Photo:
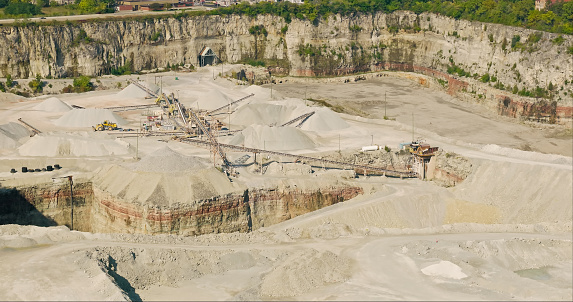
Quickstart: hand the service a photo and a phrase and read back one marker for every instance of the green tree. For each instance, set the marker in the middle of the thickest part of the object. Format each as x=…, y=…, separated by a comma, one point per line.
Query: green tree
x=3, y=3
x=22, y=8
x=36, y=84
x=83, y=84
x=9, y=81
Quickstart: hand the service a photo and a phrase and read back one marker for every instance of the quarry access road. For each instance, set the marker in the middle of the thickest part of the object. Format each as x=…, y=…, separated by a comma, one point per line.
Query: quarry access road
x=383, y=268
x=116, y=15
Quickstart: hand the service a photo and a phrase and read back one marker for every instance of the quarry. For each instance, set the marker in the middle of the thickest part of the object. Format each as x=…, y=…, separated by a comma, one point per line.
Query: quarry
x=299, y=182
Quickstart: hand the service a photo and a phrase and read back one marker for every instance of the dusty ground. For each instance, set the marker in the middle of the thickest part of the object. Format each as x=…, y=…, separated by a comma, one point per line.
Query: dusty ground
x=504, y=234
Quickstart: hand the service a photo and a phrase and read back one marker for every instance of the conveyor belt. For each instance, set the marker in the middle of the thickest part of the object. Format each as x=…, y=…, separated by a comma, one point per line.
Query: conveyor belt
x=36, y=131
x=388, y=172
x=230, y=104
x=301, y=118
x=127, y=108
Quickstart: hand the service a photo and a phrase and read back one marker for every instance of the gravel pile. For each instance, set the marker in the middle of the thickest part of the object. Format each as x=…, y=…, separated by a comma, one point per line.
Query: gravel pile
x=273, y=138
x=132, y=91
x=11, y=134
x=166, y=160
x=88, y=117
x=53, y=104
x=73, y=144
x=211, y=99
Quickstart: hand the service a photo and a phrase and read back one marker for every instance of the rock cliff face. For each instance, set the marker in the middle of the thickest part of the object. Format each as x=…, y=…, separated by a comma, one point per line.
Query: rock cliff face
x=425, y=43
x=221, y=214
x=96, y=210
x=48, y=205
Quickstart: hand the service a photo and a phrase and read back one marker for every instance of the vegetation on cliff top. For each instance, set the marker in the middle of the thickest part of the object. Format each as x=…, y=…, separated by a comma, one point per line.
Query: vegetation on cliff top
x=558, y=17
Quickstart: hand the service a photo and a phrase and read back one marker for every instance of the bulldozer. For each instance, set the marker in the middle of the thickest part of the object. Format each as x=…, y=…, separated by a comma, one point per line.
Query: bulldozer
x=106, y=125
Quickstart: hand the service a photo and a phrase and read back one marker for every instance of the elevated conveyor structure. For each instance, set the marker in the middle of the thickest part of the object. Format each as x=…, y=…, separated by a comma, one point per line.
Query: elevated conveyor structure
x=216, y=147
x=34, y=130
x=387, y=172
x=128, y=108
x=301, y=118
x=229, y=105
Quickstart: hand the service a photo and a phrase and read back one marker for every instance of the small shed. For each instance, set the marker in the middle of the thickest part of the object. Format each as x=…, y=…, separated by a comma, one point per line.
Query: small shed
x=207, y=57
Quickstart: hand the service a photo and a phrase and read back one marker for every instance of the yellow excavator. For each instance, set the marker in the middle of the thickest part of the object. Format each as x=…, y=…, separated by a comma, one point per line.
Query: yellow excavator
x=106, y=125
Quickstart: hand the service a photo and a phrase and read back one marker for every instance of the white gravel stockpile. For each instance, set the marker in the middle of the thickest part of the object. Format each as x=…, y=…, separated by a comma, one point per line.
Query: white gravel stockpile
x=324, y=120
x=166, y=160
x=53, y=104
x=88, y=118
x=277, y=114
x=164, y=178
x=273, y=138
x=132, y=91
x=76, y=144
x=261, y=114
x=444, y=269
x=211, y=99
x=11, y=134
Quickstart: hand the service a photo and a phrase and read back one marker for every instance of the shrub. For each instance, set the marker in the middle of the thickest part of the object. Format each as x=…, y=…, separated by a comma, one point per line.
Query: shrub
x=284, y=29
x=485, y=78
x=155, y=36
x=558, y=41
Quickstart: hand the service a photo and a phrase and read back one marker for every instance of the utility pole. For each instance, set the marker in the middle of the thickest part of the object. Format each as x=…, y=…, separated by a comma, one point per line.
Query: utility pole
x=71, y=200
x=271, y=76
x=385, y=116
x=412, y=126
x=372, y=135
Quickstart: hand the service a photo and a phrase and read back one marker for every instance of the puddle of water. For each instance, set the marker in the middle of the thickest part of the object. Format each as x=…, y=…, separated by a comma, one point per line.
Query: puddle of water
x=535, y=273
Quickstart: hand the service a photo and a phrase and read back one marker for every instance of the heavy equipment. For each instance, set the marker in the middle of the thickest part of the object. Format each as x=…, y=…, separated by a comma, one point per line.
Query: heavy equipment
x=106, y=125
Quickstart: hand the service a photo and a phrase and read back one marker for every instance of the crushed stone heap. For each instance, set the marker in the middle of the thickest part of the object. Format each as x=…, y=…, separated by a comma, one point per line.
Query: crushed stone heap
x=163, y=178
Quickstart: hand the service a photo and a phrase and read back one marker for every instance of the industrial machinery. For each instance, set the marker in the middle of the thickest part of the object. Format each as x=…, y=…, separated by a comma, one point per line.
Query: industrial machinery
x=106, y=125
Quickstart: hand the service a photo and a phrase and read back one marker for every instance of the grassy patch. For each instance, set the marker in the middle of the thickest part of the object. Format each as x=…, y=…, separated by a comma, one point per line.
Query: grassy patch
x=335, y=108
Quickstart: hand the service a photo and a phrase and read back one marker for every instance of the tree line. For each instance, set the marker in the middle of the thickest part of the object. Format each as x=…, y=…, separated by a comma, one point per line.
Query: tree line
x=557, y=17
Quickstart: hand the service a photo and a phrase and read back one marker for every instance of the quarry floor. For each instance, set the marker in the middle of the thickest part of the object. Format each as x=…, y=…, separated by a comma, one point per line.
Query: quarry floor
x=361, y=249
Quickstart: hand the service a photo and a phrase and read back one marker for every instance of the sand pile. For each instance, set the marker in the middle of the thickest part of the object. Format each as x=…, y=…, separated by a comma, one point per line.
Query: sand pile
x=211, y=99
x=273, y=138
x=73, y=144
x=53, y=104
x=11, y=134
x=88, y=118
x=132, y=91
x=164, y=178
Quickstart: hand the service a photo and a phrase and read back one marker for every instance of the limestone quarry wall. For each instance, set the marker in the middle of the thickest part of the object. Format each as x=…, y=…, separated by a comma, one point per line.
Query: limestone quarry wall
x=48, y=204
x=425, y=43
x=98, y=211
